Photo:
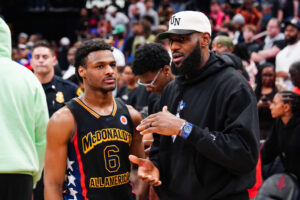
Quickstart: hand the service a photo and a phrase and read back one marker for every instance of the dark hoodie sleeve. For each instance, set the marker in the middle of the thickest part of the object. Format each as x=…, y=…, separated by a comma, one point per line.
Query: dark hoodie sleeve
x=237, y=146
x=271, y=148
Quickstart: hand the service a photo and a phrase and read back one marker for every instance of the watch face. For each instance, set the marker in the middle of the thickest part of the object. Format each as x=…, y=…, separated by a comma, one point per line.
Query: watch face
x=187, y=128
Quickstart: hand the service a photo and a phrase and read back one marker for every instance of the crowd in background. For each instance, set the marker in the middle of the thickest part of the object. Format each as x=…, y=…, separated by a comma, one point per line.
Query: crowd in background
x=264, y=34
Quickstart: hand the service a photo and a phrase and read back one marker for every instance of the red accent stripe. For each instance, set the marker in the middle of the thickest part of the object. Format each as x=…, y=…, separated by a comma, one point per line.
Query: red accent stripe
x=82, y=179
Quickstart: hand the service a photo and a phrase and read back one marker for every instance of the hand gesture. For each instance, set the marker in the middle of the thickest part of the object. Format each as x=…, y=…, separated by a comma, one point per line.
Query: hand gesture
x=146, y=171
x=164, y=123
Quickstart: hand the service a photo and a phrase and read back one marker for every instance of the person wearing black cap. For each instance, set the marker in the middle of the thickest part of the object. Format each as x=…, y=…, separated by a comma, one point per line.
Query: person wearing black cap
x=209, y=135
x=290, y=54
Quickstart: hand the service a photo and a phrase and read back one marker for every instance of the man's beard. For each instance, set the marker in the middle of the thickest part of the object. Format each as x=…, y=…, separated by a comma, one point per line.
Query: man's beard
x=190, y=63
x=292, y=39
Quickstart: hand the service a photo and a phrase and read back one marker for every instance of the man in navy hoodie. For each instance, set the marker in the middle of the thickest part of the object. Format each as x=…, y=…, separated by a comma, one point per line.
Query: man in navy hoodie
x=209, y=141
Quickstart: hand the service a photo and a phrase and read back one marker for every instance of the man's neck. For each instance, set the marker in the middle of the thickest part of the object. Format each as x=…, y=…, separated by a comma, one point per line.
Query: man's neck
x=97, y=98
x=45, y=78
x=205, y=57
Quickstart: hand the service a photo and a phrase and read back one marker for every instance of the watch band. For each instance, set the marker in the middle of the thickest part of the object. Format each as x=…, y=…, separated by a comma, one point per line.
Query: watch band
x=186, y=130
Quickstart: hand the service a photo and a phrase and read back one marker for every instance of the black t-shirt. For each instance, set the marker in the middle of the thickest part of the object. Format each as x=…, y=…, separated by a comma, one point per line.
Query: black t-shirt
x=137, y=97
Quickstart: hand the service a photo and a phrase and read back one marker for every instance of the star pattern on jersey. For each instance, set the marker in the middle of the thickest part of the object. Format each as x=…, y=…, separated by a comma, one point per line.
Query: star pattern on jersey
x=71, y=180
x=73, y=193
x=69, y=164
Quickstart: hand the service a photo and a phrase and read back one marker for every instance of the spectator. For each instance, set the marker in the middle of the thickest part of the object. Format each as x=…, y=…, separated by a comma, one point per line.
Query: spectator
x=132, y=93
x=22, y=39
x=229, y=28
x=70, y=72
x=270, y=9
x=217, y=14
x=115, y=17
x=142, y=34
x=290, y=54
x=265, y=91
x=239, y=22
x=227, y=9
x=284, y=139
x=295, y=76
x=274, y=34
x=241, y=51
x=248, y=33
x=152, y=13
x=23, y=121
x=136, y=9
x=83, y=25
x=164, y=12
x=288, y=9
x=272, y=43
x=251, y=14
x=64, y=45
x=222, y=44
x=119, y=34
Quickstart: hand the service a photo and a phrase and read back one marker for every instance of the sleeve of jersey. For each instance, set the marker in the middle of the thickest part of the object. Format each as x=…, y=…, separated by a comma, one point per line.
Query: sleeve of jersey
x=237, y=146
x=41, y=121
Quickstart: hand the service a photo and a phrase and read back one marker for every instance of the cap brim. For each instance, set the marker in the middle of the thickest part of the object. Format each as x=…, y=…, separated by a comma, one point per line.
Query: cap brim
x=166, y=34
x=290, y=23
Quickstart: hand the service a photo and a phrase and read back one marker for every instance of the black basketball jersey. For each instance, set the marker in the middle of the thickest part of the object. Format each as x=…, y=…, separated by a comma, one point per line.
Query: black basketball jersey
x=98, y=166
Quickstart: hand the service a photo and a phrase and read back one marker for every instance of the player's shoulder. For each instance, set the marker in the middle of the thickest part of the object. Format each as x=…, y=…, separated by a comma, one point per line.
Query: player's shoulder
x=61, y=126
x=134, y=114
x=62, y=117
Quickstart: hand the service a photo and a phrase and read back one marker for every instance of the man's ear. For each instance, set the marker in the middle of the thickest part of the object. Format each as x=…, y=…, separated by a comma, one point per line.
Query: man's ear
x=82, y=71
x=166, y=69
x=205, y=39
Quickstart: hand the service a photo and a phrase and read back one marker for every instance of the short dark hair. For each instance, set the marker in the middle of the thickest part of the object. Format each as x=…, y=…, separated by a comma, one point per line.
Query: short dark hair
x=87, y=47
x=43, y=43
x=295, y=68
x=150, y=57
x=295, y=73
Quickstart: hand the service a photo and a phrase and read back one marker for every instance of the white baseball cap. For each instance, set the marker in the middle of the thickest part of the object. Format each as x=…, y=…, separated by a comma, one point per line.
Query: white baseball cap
x=187, y=22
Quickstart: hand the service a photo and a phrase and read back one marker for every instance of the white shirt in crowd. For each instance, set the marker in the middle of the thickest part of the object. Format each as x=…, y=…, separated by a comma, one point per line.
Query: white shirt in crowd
x=287, y=56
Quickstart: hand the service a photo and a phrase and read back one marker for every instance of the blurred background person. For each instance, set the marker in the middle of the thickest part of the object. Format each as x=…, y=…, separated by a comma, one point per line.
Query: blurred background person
x=272, y=44
x=285, y=138
x=250, y=13
x=249, y=32
x=265, y=91
x=290, y=54
x=132, y=93
x=295, y=76
x=217, y=13
x=222, y=44
x=152, y=13
x=242, y=52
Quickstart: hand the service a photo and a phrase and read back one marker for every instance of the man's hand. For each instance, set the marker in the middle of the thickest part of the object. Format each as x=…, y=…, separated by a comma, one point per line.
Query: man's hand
x=163, y=123
x=146, y=171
